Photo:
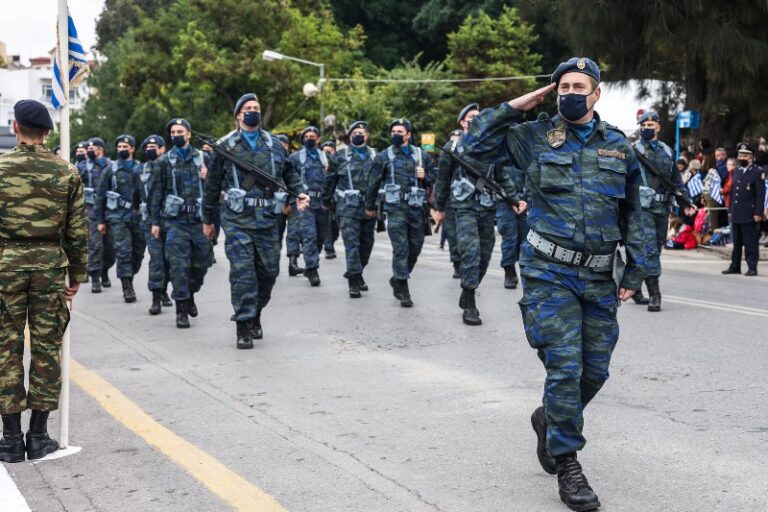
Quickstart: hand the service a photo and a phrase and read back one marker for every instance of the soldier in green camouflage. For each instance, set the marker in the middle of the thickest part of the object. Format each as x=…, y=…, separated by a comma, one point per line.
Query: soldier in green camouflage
x=43, y=239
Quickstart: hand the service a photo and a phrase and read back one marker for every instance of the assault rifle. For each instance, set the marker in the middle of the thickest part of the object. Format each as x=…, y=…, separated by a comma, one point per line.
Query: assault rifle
x=483, y=182
x=664, y=181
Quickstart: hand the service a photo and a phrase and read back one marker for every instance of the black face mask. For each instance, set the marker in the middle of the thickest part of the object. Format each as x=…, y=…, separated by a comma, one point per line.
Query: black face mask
x=310, y=143
x=398, y=139
x=151, y=155
x=743, y=163
x=358, y=140
x=252, y=118
x=79, y=157
x=573, y=106
x=124, y=154
x=179, y=141
x=647, y=133
x=91, y=155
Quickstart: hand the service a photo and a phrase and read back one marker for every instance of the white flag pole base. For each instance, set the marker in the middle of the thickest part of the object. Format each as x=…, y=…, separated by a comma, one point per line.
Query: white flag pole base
x=59, y=454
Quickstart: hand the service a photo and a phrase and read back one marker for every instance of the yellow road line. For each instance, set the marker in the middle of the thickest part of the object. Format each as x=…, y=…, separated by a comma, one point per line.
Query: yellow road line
x=233, y=489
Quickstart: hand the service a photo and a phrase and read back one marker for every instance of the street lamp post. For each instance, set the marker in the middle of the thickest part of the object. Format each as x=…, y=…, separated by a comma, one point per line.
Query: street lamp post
x=271, y=55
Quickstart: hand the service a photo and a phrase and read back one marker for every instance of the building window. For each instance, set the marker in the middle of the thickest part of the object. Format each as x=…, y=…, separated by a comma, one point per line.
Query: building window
x=48, y=93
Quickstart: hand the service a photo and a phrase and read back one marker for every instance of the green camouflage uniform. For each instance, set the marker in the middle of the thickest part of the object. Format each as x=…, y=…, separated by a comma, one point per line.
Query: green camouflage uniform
x=43, y=237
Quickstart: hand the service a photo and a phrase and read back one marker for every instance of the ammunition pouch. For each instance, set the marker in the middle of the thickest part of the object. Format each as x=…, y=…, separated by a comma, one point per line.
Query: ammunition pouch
x=90, y=195
x=417, y=197
x=235, y=199
x=172, y=205
x=462, y=189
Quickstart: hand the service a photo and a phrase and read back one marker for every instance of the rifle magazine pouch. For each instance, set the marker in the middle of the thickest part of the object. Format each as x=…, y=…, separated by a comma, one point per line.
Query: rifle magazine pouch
x=90, y=195
x=417, y=197
x=113, y=200
x=351, y=198
x=280, y=198
x=236, y=200
x=392, y=193
x=462, y=189
x=487, y=200
x=172, y=205
x=143, y=211
x=646, y=196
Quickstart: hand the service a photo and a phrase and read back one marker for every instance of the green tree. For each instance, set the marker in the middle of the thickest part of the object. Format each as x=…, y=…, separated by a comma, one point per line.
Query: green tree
x=118, y=16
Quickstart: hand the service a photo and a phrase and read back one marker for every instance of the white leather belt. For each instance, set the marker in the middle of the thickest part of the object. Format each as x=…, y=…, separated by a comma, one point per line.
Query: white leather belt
x=568, y=256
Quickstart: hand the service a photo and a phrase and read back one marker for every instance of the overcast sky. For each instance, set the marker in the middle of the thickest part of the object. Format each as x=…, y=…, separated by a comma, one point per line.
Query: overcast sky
x=28, y=27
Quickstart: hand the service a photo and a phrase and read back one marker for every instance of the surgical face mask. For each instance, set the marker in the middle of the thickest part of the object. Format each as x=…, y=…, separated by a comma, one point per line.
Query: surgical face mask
x=80, y=157
x=151, y=155
x=310, y=143
x=91, y=154
x=398, y=139
x=124, y=154
x=743, y=163
x=252, y=118
x=358, y=140
x=573, y=106
x=647, y=133
x=179, y=141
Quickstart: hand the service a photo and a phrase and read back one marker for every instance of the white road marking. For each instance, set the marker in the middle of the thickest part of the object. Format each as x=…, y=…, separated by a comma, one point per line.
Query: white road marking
x=10, y=496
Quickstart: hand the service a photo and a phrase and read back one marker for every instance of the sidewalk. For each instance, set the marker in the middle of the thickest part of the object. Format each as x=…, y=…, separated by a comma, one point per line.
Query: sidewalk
x=724, y=251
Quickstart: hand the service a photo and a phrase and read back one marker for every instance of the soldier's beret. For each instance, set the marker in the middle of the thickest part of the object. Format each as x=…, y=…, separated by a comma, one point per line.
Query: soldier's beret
x=745, y=147
x=249, y=96
x=127, y=139
x=283, y=138
x=153, y=139
x=178, y=121
x=82, y=144
x=33, y=114
x=649, y=116
x=310, y=129
x=328, y=144
x=401, y=122
x=356, y=125
x=97, y=141
x=466, y=110
x=577, y=65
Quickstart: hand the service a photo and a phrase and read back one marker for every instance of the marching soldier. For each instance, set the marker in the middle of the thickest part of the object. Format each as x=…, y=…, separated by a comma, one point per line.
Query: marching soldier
x=290, y=225
x=43, y=241
x=513, y=229
x=81, y=151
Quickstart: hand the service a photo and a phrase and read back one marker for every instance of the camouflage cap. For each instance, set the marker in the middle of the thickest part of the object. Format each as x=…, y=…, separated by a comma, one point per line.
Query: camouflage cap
x=33, y=114
x=126, y=139
x=582, y=65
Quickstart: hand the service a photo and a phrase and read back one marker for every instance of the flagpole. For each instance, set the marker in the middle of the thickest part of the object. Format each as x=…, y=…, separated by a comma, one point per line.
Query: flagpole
x=63, y=56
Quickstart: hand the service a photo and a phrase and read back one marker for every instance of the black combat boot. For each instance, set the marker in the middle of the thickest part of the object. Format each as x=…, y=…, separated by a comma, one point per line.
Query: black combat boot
x=293, y=266
x=12, y=447
x=39, y=443
x=330, y=253
x=191, y=306
x=156, y=306
x=182, y=318
x=254, y=326
x=510, y=277
x=471, y=315
x=405, y=294
x=457, y=270
x=539, y=423
x=105, y=282
x=654, y=293
x=165, y=300
x=574, y=488
x=639, y=298
x=361, y=283
x=95, y=282
x=129, y=294
x=395, y=284
x=244, y=340
x=354, y=288
x=312, y=275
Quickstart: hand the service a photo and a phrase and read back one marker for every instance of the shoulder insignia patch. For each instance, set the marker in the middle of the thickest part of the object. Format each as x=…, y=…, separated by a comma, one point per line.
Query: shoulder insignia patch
x=612, y=152
x=556, y=137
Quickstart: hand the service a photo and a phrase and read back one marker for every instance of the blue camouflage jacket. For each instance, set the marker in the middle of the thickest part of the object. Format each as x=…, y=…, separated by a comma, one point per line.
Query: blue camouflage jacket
x=90, y=172
x=312, y=166
x=349, y=170
x=178, y=174
x=121, y=177
x=405, y=163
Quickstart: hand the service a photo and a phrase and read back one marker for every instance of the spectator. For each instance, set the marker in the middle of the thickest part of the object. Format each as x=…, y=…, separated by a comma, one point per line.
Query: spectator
x=721, y=158
x=730, y=166
x=712, y=195
x=685, y=239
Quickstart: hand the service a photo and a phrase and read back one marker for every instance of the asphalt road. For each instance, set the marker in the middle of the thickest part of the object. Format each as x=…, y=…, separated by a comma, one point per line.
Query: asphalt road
x=360, y=405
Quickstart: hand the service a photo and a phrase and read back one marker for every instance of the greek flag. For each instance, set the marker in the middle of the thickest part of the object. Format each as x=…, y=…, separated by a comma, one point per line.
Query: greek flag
x=78, y=67
x=694, y=185
x=716, y=191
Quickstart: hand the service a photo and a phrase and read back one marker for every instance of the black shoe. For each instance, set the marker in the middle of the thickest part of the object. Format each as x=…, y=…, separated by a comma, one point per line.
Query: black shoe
x=751, y=273
x=182, y=318
x=95, y=282
x=293, y=266
x=510, y=277
x=312, y=275
x=405, y=294
x=354, y=288
x=244, y=340
x=640, y=299
x=12, y=448
x=654, y=294
x=39, y=443
x=730, y=270
x=539, y=423
x=165, y=300
x=255, y=328
x=456, y=270
x=105, y=282
x=330, y=254
x=191, y=306
x=361, y=283
x=129, y=294
x=471, y=315
x=156, y=306
x=575, y=491
x=395, y=284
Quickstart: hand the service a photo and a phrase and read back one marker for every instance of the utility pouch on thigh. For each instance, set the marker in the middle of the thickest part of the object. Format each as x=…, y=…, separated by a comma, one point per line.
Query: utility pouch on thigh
x=113, y=200
x=90, y=195
x=143, y=211
x=172, y=205
x=352, y=198
x=280, y=198
x=236, y=199
x=487, y=200
x=392, y=193
x=417, y=197
x=462, y=189
x=646, y=196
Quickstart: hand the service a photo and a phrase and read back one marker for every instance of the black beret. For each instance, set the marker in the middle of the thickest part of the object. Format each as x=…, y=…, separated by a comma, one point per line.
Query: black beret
x=578, y=65
x=328, y=143
x=153, y=139
x=466, y=110
x=283, y=138
x=310, y=129
x=96, y=141
x=745, y=147
x=356, y=125
x=401, y=122
x=178, y=121
x=128, y=139
x=648, y=116
x=249, y=96
x=82, y=144
x=33, y=114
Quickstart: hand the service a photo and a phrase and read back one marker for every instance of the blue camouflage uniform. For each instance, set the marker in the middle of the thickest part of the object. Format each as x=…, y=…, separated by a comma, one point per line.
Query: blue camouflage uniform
x=311, y=165
x=101, y=252
x=158, y=271
x=583, y=201
x=512, y=227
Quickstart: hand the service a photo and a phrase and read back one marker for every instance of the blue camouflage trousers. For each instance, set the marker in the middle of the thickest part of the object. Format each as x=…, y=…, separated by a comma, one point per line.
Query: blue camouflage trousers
x=658, y=220
x=572, y=324
x=313, y=229
x=101, y=251
x=358, y=236
x=158, y=272
x=405, y=227
x=254, y=263
x=513, y=229
x=129, y=246
x=189, y=255
x=449, y=229
x=293, y=235
x=476, y=238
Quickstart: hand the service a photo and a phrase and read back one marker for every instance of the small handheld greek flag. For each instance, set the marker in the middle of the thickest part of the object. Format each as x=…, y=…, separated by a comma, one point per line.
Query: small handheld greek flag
x=716, y=191
x=694, y=185
x=78, y=67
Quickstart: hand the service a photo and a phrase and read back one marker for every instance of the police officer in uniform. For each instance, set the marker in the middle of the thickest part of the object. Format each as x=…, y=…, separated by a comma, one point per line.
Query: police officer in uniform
x=43, y=241
x=746, y=211
x=657, y=202
x=582, y=186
